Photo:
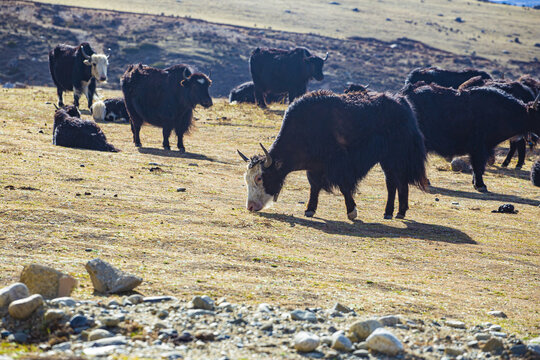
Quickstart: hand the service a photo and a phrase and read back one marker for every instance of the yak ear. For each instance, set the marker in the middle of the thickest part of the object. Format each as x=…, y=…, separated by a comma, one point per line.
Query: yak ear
x=87, y=62
x=183, y=83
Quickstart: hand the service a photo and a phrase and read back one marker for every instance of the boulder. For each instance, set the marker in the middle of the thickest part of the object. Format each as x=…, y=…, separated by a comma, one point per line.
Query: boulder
x=23, y=308
x=107, y=279
x=47, y=282
x=13, y=292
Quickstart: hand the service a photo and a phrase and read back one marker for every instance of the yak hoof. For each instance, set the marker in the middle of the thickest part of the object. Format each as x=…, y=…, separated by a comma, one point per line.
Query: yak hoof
x=182, y=150
x=352, y=215
x=518, y=167
x=504, y=164
x=166, y=147
x=387, y=217
x=138, y=144
x=400, y=216
x=309, y=213
x=482, y=189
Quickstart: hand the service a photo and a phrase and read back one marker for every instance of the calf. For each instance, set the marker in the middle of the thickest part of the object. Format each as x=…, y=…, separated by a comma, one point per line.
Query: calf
x=472, y=121
x=110, y=110
x=245, y=93
x=337, y=139
x=70, y=130
x=446, y=78
x=535, y=173
x=77, y=68
x=164, y=98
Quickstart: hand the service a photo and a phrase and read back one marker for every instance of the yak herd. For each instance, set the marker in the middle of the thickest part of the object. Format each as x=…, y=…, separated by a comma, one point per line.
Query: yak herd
x=335, y=138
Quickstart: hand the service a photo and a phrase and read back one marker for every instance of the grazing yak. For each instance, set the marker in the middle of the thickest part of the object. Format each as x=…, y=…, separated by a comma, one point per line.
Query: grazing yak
x=535, y=173
x=520, y=91
x=472, y=121
x=442, y=77
x=245, y=93
x=70, y=130
x=164, y=98
x=283, y=71
x=110, y=110
x=77, y=68
x=337, y=139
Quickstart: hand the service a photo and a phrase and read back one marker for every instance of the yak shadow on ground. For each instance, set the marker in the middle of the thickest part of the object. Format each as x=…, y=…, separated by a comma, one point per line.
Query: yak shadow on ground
x=178, y=154
x=510, y=171
x=275, y=111
x=484, y=196
x=358, y=228
x=85, y=112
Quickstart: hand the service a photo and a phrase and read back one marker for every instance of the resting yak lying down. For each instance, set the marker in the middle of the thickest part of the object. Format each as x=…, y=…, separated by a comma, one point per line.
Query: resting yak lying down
x=72, y=131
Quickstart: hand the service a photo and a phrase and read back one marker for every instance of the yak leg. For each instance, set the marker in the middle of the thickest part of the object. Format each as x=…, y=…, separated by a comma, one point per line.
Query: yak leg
x=316, y=183
x=391, y=188
x=521, y=149
x=182, y=127
x=478, y=162
x=349, y=202
x=76, y=96
x=90, y=92
x=136, y=129
x=166, y=134
x=403, y=193
x=510, y=154
x=259, y=98
x=60, y=93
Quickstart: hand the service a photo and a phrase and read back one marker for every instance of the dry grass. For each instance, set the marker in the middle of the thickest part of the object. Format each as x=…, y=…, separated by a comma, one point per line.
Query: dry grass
x=487, y=30
x=446, y=260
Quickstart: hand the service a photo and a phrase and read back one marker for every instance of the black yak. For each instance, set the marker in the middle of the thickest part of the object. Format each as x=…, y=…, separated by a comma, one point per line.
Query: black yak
x=164, y=98
x=77, y=68
x=337, y=139
x=70, y=130
x=442, y=77
x=472, y=121
x=356, y=88
x=283, y=71
x=245, y=93
x=110, y=110
x=535, y=173
x=520, y=91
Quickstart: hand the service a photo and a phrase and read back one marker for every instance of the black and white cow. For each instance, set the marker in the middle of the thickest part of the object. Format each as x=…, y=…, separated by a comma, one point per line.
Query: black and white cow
x=77, y=68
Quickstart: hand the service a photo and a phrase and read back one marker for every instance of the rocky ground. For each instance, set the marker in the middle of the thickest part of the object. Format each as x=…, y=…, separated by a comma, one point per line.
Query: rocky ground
x=166, y=327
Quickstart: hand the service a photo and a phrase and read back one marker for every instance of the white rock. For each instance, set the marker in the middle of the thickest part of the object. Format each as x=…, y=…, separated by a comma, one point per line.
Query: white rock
x=264, y=308
x=495, y=328
x=389, y=320
x=498, y=314
x=202, y=302
x=455, y=324
x=23, y=308
x=63, y=301
x=362, y=329
x=13, y=292
x=306, y=342
x=384, y=341
x=340, y=342
x=99, y=334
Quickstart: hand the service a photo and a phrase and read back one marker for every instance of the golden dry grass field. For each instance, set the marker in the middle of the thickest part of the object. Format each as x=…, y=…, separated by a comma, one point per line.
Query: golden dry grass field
x=450, y=258
x=487, y=29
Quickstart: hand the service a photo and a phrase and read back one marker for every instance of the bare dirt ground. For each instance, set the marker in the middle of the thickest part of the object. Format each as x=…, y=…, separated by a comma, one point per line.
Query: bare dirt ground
x=29, y=30
x=452, y=257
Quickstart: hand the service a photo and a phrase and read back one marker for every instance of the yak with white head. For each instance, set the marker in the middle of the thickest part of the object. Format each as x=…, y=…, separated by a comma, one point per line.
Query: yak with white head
x=98, y=63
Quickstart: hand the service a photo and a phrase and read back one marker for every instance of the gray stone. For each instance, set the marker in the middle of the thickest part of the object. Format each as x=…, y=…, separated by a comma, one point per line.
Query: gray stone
x=18, y=337
x=482, y=336
x=202, y=302
x=327, y=340
x=135, y=299
x=23, y=308
x=361, y=353
x=455, y=324
x=493, y=345
x=534, y=348
x=157, y=299
x=13, y=292
x=341, y=343
x=495, y=328
x=472, y=343
x=519, y=350
x=107, y=279
x=110, y=341
x=46, y=281
x=306, y=342
x=362, y=329
x=389, y=320
x=199, y=312
x=498, y=314
x=384, y=341
x=453, y=351
x=225, y=306
x=65, y=346
x=341, y=308
x=63, y=301
x=303, y=315
x=100, y=351
x=499, y=334
x=53, y=315
x=99, y=334
x=264, y=308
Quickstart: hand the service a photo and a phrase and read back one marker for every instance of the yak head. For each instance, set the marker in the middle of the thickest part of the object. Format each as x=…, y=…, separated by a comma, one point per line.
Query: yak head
x=264, y=180
x=197, y=85
x=71, y=110
x=315, y=66
x=98, y=64
x=534, y=112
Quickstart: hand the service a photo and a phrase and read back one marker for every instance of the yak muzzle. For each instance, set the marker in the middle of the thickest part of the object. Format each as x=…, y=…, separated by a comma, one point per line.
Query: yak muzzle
x=253, y=206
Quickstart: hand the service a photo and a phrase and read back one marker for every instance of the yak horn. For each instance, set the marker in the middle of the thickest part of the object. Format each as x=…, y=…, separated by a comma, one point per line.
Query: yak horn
x=326, y=57
x=56, y=106
x=535, y=103
x=268, y=161
x=244, y=157
x=84, y=54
